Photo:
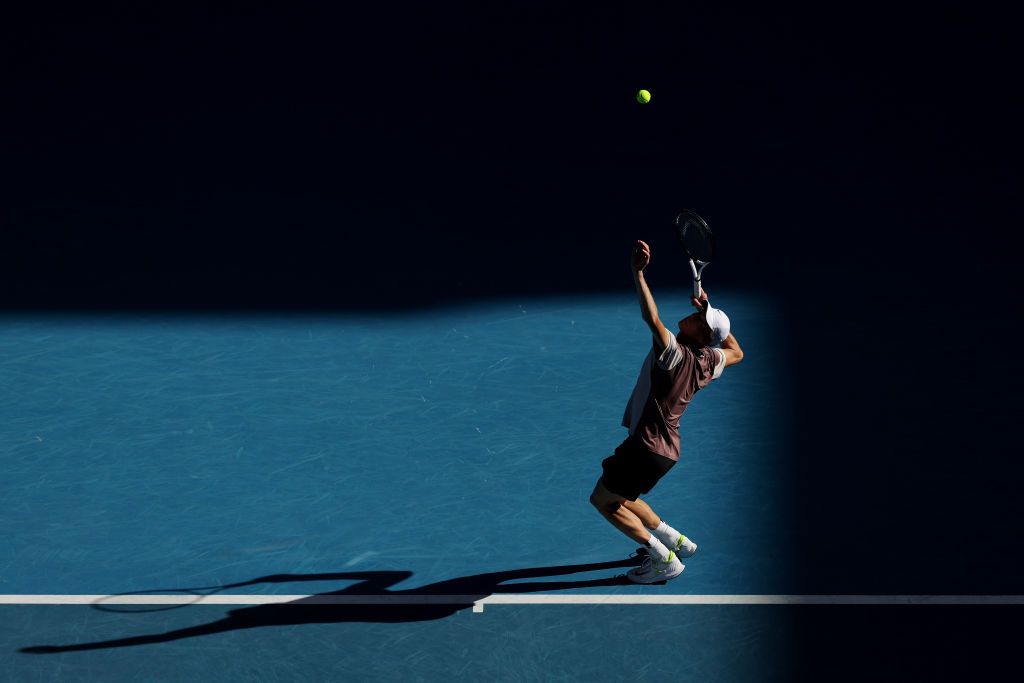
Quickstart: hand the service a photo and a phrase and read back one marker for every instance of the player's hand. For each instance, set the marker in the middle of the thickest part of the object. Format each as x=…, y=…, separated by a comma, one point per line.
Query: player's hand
x=641, y=256
x=700, y=303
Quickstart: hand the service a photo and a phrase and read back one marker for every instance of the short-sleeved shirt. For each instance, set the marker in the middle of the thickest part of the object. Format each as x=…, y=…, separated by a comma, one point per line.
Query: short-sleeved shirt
x=667, y=383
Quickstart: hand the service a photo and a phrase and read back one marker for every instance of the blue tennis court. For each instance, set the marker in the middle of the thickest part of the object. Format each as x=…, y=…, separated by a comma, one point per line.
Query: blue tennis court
x=341, y=497
x=440, y=452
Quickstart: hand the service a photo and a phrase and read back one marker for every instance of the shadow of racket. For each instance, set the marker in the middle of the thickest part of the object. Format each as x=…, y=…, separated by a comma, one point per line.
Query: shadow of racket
x=176, y=599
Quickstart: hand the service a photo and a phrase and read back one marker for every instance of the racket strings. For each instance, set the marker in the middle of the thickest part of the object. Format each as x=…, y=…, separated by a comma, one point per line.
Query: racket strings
x=696, y=239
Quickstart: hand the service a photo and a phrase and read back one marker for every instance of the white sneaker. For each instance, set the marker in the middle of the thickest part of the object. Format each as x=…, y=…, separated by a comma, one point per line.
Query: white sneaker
x=653, y=571
x=684, y=547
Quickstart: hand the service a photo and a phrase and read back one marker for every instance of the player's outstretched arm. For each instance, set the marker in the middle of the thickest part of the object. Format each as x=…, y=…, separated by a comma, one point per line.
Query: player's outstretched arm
x=648, y=309
x=733, y=352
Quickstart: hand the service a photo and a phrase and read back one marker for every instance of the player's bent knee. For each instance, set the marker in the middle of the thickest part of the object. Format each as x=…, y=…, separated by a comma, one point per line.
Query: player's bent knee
x=603, y=501
x=611, y=507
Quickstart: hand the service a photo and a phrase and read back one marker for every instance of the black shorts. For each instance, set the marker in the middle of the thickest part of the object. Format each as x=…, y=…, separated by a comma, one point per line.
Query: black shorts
x=633, y=470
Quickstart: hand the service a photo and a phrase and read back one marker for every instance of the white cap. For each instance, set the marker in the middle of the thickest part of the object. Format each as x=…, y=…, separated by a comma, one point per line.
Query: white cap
x=718, y=321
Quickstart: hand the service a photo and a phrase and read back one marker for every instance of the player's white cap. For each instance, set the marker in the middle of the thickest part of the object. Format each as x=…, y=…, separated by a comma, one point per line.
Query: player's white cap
x=718, y=321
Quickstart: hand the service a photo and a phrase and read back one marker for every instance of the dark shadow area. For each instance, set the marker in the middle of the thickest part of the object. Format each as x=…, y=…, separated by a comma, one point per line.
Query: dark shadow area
x=375, y=584
x=372, y=160
x=903, y=643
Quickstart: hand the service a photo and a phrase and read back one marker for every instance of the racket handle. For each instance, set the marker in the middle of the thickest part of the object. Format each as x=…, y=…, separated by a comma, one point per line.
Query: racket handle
x=696, y=287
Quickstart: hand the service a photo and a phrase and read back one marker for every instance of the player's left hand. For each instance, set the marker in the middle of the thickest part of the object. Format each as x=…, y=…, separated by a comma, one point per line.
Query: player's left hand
x=641, y=256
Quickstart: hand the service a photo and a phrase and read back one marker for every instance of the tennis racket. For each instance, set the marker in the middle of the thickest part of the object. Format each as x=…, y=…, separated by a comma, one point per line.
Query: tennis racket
x=698, y=243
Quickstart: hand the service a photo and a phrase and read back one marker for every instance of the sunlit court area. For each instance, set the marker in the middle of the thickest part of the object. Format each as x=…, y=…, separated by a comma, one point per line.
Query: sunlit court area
x=336, y=339
x=395, y=461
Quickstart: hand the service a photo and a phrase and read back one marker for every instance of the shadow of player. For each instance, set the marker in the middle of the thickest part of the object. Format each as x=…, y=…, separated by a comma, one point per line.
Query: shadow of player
x=309, y=610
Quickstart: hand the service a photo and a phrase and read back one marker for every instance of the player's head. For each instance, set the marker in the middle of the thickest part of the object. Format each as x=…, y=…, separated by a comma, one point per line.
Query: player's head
x=708, y=327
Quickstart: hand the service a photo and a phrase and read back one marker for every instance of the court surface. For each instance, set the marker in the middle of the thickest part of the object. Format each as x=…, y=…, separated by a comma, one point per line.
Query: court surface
x=423, y=475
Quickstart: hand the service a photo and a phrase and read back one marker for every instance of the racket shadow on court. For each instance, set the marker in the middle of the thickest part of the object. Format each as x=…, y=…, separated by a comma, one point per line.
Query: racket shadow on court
x=433, y=601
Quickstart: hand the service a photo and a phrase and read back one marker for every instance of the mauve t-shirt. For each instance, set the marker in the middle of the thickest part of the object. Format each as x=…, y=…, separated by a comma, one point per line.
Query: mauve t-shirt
x=665, y=387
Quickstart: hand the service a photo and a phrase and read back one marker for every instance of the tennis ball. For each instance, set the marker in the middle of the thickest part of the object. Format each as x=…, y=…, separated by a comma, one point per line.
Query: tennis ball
x=643, y=96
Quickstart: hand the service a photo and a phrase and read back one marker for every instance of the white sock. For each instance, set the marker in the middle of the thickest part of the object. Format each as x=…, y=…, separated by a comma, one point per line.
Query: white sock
x=657, y=549
x=667, y=534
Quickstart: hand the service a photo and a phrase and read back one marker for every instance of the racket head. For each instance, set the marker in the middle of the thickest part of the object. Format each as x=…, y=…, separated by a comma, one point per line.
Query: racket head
x=695, y=236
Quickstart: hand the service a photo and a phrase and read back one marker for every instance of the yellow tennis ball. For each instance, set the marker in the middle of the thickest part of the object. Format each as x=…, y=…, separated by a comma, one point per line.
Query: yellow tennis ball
x=643, y=96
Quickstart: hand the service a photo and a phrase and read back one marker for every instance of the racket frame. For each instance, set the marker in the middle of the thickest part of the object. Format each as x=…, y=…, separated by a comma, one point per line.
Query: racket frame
x=696, y=265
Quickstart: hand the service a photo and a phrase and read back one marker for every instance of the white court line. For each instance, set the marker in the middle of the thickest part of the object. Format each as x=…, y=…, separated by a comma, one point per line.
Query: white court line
x=478, y=602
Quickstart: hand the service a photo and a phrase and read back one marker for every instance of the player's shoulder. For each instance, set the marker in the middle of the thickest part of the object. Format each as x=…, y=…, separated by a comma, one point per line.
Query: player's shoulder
x=669, y=357
x=715, y=361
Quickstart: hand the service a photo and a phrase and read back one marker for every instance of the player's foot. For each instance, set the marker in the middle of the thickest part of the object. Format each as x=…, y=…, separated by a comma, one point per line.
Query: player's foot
x=653, y=571
x=684, y=547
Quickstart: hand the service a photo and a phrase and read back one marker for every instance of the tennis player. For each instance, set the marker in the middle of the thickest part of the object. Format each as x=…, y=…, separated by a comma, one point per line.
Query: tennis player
x=677, y=367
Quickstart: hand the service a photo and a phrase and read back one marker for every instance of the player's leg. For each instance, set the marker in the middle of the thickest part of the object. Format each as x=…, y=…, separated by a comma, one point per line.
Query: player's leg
x=644, y=512
x=627, y=473
x=611, y=507
x=660, y=563
x=673, y=540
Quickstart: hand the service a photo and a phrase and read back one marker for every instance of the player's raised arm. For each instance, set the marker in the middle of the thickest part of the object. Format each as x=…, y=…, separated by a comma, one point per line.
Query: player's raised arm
x=733, y=352
x=648, y=309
